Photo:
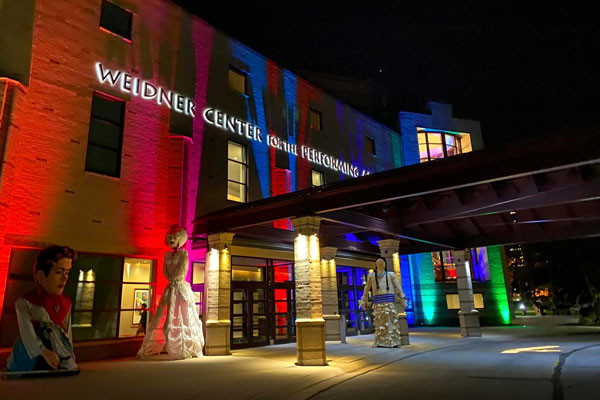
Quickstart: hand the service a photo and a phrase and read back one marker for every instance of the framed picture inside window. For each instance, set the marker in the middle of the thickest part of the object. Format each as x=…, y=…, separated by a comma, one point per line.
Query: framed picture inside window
x=140, y=297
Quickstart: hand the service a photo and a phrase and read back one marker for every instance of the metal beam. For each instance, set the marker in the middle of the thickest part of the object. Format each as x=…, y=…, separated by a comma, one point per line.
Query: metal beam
x=565, y=195
x=466, y=170
x=379, y=225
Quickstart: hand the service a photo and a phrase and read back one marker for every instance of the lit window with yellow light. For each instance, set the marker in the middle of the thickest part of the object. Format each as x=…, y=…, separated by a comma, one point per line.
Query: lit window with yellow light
x=437, y=144
x=237, y=167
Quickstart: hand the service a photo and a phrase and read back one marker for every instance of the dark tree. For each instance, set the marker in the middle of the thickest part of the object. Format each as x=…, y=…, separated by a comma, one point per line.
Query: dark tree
x=569, y=269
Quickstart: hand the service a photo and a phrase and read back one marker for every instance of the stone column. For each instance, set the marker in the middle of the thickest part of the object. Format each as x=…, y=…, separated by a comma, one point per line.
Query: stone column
x=218, y=294
x=389, y=250
x=329, y=290
x=310, y=325
x=468, y=315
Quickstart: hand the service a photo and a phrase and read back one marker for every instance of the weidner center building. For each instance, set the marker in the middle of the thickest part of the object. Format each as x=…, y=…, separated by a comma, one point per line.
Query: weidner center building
x=121, y=118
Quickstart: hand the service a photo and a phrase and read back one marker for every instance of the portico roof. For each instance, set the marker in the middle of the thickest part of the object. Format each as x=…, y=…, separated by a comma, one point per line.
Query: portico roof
x=539, y=190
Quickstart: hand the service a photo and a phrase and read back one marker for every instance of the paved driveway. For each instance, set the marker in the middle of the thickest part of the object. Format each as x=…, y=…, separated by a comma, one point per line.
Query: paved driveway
x=533, y=362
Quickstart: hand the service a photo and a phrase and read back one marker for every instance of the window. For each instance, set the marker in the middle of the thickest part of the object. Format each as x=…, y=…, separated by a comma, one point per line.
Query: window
x=84, y=298
x=453, y=301
x=108, y=293
x=444, y=269
x=480, y=266
x=440, y=144
x=136, y=293
x=116, y=20
x=443, y=266
x=370, y=145
x=314, y=119
x=237, y=80
x=198, y=285
x=318, y=178
x=236, y=172
x=105, y=135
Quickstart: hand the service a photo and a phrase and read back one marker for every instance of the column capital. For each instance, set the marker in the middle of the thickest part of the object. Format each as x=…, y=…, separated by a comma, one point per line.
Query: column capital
x=306, y=225
x=220, y=240
x=388, y=247
x=328, y=253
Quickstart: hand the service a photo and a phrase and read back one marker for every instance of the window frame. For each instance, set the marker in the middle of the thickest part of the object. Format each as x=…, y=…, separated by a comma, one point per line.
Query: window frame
x=243, y=74
x=245, y=165
x=108, y=30
x=443, y=143
x=444, y=278
x=371, y=139
x=199, y=287
x=311, y=111
x=321, y=174
x=475, y=303
x=121, y=130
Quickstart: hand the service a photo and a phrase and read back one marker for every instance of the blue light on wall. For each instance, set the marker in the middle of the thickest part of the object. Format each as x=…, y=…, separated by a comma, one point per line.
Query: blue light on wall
x=290, y=91
x=255, y=109
x=374, y=239
x=351, y=237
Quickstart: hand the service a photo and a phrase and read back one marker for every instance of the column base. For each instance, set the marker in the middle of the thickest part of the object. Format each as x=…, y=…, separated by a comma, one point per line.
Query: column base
x=404, y=339
x=310, y=342
x=469, y=323
x=332, y=327
x=217, y=338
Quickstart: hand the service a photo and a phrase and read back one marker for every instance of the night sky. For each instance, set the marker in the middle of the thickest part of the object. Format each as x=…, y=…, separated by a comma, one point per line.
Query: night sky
x=520, y=69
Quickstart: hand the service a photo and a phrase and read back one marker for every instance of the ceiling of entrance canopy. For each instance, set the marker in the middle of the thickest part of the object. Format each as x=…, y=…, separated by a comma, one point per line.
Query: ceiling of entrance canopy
x=541, y=190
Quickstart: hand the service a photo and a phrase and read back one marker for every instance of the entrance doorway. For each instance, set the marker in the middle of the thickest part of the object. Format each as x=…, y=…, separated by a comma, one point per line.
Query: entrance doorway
x=263, y=302
x=351, y=284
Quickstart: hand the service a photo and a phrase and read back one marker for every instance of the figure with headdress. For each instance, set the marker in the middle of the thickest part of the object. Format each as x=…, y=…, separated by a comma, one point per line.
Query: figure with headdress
x=388, y=300
x=175, y=326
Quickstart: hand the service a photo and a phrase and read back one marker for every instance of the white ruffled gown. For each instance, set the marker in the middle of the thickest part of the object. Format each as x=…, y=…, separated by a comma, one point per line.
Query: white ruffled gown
x=175, y=326
x=385, y=315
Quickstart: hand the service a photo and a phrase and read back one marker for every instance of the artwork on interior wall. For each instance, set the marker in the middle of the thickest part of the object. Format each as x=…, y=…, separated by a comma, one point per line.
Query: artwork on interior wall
x=140, y=297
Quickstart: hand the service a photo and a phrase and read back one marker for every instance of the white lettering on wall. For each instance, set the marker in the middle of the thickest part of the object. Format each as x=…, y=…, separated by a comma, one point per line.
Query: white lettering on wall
x=245, y=129
x=130, y=84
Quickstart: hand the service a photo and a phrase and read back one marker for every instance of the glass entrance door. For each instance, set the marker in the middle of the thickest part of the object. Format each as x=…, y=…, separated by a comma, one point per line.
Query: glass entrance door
x=250, y=325
x=284, y=313
x=283, y=295
x=263, y=302
x=351, y=284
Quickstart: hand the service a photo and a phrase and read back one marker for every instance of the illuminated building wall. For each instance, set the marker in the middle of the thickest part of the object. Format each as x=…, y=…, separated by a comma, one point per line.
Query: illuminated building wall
x=430, y=306
x=173, y=167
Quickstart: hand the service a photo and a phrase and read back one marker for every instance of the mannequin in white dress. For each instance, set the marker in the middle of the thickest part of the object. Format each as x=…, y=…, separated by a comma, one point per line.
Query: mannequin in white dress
x=388, y=299
x=175, y=326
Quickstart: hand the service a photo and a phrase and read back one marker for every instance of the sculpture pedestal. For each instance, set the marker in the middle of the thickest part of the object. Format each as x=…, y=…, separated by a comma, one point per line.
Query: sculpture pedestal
x=310, y=341
x=402, y=321
x=469, y=323
x=332, y=327
x=217, y=338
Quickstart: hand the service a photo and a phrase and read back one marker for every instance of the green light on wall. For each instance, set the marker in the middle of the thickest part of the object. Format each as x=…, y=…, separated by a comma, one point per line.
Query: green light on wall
x=498, y=288
x=428, y=291
x=428, y=307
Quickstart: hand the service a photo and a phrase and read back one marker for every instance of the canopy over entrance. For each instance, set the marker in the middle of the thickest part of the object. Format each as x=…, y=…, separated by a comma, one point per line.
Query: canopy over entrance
x=540, y=190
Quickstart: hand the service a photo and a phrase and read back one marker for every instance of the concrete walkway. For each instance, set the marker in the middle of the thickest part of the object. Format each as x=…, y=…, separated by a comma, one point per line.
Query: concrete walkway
x=532, y=362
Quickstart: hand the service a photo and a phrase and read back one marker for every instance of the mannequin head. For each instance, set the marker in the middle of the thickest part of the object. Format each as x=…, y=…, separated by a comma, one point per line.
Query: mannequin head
x=52, y=268
x=380, y=265
x=176, y=237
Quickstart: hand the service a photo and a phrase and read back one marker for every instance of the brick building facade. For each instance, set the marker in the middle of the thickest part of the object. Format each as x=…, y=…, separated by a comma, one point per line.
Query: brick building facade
x=112, y=197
